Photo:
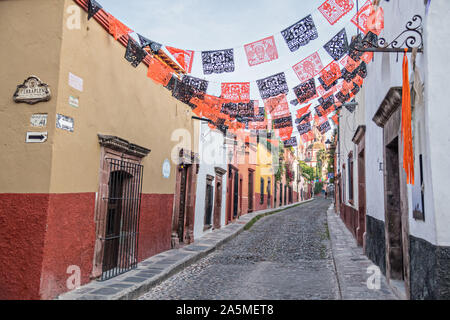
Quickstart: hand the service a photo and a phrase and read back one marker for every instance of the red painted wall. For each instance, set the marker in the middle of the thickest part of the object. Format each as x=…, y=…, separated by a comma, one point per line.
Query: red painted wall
x=258, y=205
x=155, y=225
x=69, y=240
x=41, y=235
x=22, y=232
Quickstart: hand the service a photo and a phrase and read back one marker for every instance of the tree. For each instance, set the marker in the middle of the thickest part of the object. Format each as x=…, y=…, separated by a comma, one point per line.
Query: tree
x=307, y=171
x=330, y=167
x=280, y=159
x=321, y=158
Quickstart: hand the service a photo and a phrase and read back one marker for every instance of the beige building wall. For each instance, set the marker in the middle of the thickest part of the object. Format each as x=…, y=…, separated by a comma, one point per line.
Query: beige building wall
x=117, y=99
x=31, y=45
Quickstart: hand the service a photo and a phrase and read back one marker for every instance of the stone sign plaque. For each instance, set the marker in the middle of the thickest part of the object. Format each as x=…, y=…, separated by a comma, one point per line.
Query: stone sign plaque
x=38, y=120
x=32, y=91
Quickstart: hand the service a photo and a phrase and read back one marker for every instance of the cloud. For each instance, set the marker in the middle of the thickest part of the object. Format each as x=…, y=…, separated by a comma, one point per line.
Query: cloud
x=208, y=24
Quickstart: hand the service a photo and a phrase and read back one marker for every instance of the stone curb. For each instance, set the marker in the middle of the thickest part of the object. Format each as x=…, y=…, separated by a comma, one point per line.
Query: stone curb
x=192, y=255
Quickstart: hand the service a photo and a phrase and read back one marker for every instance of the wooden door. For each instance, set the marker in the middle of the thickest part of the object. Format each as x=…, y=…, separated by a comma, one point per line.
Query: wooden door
x=182, y=207
x=113, y=221
x=250, y=191
x=393, y=211
x=235, y=194
x=218, y=202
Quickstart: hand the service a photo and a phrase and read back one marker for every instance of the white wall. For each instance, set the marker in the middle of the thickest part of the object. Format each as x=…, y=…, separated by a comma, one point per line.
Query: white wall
x=437, y=116
x=348, y=123
x=212, y=154
x=386, y=72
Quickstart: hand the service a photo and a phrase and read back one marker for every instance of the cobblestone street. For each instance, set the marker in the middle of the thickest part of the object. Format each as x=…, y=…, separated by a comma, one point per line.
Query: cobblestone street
x=284, y=256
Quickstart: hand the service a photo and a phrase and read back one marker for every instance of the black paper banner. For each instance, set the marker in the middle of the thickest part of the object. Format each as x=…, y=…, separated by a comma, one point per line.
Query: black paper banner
x=300, y=33
x=324, y=127
x=355, y=89
x=260, y=117
x=305, y=117
x=246, y=110
x=348, y=76
x=218, y=61
x=353, y=53
x=327, y=102
x=273, y=85
x=304, y=128
x=318, y=112
x=306, y=90
x=183, y=92
x=231, y=109
x=171, y=85
x=342, y=98
x=93, y=8
x=324, y=86
x=134, y=53
x=198, y=84
x=282, y=122
x=337, y=47
x=292, y=142
x=154, y=46
x=362, y=70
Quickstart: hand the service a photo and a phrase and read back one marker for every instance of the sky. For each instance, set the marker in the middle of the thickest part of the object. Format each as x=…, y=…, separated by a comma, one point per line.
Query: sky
x=209, y=24
x=202, y=25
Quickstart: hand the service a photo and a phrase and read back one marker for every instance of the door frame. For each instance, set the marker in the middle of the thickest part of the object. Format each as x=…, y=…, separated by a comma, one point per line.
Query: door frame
x=251, y=190
x=111, y=147
x=360, y=140
x=218, y=197
x=388, y=117
x=232, y=170
x=188, y=160
x=209, y=183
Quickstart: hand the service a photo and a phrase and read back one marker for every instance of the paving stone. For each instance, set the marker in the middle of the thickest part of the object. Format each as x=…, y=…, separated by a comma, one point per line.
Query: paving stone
x=283, y=256
x=352, y=264
x=106, y=291
x=196, y=248
x=134, y=279
x=147, y=274
x=120, y=285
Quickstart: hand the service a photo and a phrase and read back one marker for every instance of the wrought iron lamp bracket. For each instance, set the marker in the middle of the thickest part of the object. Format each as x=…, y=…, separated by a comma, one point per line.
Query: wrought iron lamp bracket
x=409, y=39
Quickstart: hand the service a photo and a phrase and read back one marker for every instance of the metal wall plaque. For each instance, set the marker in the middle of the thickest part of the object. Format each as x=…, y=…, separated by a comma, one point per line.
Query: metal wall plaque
x=64, y=122
x=32, y=91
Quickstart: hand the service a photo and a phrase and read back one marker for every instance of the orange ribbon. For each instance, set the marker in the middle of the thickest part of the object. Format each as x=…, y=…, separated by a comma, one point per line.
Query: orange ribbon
x=408, y=156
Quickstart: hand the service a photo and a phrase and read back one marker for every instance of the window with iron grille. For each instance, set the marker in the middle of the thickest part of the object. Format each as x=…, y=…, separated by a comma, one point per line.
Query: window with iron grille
x=120, y=243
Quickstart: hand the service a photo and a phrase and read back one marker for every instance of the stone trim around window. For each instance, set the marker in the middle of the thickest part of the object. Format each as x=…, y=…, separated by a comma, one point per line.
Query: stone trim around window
x=122, y=145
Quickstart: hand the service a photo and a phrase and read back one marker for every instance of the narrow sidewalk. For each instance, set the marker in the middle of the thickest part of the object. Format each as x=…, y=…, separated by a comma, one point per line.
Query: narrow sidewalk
x=158, y=268
x=352, y=266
